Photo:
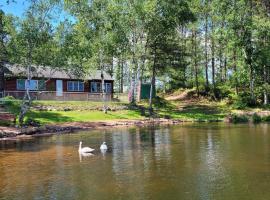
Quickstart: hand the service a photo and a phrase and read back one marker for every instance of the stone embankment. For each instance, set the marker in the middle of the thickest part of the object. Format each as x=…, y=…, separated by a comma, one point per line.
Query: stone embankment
x=12, y=132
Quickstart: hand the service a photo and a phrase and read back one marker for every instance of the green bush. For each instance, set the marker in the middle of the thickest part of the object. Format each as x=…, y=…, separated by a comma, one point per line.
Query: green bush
x=222, y=91
x=242, y=100
x=266, y=118
x=239, y=118
x=256, y=118
x=9, y=98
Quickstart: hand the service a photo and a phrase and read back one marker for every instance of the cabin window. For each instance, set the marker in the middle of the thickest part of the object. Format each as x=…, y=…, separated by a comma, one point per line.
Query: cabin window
x=23, y=84
x=75, y=86
x=41, y=85
x=95, y=87
x=32, y=84
x=108, y=87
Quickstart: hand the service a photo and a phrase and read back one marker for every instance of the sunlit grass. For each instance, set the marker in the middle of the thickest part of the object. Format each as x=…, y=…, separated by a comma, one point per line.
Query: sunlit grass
x=82, y=116
x=83, y=111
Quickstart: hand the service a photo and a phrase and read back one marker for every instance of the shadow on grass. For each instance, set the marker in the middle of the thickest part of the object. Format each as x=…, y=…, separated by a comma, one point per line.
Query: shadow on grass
x=163, y=103
x=204, y=109
x=114, y=115
x=132, y=114
x=45, y=117
x=196, y=112
x=42, y=116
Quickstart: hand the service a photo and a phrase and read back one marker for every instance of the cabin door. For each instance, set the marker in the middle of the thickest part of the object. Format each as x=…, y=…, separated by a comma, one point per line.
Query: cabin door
x=59, y=88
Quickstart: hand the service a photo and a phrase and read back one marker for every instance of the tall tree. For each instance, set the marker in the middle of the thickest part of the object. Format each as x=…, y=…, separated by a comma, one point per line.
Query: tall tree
x=206, y=13
x=33, y=34
x=3, y=50
x=164, y=17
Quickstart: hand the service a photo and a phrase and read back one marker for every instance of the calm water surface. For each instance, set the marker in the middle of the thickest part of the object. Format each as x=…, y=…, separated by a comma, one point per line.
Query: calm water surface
x=192, y=161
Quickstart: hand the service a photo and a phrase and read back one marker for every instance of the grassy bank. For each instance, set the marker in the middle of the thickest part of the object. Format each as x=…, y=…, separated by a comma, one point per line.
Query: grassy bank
x=186, y=109
x=58, y=112
x=202, y=110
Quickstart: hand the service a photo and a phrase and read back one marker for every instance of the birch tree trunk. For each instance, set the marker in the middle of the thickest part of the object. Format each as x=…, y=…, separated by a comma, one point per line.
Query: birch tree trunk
x=153, y=83
x=26, y=103
x=2, y=52
x=103, y=90
x=194, y=44
x=266, y=79
x=152, y=87
x=234, y=50
x=196, y=65
x=121, y=75
x=206, y=51
x=265, y=92
x=213, y=55
x=235, y=71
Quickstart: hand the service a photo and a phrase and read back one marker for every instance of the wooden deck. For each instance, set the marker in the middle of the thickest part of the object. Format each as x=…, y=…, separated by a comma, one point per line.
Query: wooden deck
x=65, y=96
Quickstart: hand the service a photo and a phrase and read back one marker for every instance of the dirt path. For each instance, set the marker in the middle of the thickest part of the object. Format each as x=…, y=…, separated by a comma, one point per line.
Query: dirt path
x=181, y=96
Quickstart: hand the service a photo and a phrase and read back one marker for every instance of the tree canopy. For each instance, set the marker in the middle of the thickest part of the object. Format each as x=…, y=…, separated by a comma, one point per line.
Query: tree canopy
x=220, y=47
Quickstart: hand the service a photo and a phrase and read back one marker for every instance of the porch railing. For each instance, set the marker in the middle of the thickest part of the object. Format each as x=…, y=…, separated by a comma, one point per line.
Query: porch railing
x=65, y=96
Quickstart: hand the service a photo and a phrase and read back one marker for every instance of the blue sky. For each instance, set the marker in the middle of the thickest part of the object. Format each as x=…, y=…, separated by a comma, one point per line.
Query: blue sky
x=16, y=8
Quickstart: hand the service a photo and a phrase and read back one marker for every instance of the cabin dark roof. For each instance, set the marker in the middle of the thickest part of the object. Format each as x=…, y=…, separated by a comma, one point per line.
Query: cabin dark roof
x=54, y=73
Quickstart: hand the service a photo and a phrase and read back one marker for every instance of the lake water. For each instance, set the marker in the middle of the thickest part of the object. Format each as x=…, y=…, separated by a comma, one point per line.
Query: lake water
x=191, y=161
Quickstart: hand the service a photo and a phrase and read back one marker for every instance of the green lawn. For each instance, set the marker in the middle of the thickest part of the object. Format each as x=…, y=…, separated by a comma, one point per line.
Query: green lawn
x=79, y=111
x=81, y=116
x=83, y=111
x=196, y=111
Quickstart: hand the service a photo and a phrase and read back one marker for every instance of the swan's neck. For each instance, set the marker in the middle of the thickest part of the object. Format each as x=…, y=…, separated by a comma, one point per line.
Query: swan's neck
x=80, y=146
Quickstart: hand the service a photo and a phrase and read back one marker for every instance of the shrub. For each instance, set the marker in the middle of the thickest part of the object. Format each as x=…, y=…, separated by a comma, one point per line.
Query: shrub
x=256, y=118
x=32, y=122
x=242, y=100
x=222, y=91
x=266, y=118
x=239, y=118
x=9, y=98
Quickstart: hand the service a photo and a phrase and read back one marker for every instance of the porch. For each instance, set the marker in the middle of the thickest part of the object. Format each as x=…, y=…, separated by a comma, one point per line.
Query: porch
x=64, y=96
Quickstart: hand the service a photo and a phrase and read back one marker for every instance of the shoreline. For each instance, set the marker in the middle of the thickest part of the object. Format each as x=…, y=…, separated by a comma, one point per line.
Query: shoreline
x=13, y=133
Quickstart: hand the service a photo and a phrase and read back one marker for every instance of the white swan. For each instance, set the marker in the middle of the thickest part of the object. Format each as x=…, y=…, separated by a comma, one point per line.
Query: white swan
x=85, y=149
x=103, y=146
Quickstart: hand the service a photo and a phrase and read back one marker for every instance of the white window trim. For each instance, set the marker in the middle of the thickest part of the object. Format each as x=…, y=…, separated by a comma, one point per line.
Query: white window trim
x=73, y=86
